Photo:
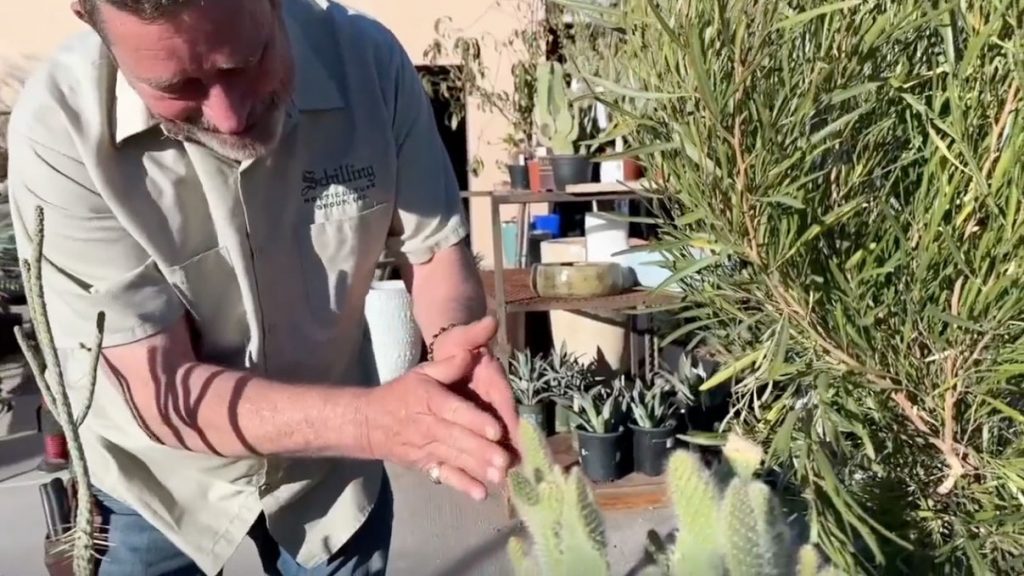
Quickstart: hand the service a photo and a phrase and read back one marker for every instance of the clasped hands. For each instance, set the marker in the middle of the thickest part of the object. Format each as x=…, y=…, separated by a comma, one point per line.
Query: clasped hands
x=455, y=415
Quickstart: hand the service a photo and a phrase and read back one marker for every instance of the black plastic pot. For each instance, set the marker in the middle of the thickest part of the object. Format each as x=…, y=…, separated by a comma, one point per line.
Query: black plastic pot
x=651, y=448
x=537, y=414
x=571, y=169
x=519, y=176
x=601, y=455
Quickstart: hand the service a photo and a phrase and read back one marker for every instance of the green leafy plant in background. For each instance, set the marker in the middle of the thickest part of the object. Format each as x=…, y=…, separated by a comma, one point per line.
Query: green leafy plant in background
x=857, y=165
x=729, y=522
x=41, y=355
x=471, y=79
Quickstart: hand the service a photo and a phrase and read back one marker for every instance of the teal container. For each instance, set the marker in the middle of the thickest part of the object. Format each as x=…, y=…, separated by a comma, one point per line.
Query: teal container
x=510, y=243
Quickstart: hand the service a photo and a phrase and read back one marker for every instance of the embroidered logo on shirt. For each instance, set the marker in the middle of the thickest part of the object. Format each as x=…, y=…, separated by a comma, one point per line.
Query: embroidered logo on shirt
x=339, y=186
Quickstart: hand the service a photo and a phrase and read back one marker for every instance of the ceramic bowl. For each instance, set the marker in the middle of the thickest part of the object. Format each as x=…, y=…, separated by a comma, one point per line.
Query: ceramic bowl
x=579, y=279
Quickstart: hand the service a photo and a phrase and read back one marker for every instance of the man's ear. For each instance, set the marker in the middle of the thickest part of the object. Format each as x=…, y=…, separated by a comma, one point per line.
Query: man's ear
x=76, y=7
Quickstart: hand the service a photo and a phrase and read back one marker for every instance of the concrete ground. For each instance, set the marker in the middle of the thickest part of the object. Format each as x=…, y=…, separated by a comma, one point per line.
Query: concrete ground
x=437, y=531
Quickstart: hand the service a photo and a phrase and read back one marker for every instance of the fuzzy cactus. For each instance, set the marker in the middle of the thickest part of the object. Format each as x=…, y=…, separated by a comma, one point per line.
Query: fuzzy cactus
x=554, y=113
x=41, y=355
x=560, y=513
x=730, y=524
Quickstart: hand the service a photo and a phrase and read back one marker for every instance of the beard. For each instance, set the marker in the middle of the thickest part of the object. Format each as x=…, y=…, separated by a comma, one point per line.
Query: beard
x=258, y=139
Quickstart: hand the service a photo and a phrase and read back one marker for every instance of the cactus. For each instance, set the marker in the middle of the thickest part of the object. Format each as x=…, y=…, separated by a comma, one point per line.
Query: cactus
x=41, y=356
x=555, y=116
x=560, y=513
x=729, y=523
x=732, y=524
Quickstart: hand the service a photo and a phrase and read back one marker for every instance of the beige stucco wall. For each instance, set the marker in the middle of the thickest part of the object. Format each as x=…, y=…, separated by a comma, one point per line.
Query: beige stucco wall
x=30, y=29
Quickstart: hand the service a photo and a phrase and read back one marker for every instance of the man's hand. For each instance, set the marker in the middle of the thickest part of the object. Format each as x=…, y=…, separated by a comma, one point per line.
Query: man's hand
x=418, y=421
x=488, y=382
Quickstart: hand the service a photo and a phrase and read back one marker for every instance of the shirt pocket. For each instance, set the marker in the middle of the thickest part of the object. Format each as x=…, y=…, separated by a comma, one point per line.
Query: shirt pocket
x=341, y=254
x=208, y=286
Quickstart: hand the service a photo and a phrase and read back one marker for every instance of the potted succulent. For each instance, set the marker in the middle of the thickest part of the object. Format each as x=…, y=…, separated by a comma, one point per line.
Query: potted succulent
x=567, y=375
x=558, y=126
x=599, y=433
x=530, y=380
x=654, y=407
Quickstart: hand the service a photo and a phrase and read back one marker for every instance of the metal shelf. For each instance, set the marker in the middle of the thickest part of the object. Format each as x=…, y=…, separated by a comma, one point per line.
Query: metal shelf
x=508, y=290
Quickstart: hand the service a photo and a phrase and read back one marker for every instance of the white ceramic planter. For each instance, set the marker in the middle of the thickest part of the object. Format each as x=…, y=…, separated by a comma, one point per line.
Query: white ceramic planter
x=397, y=342
x=605, y=235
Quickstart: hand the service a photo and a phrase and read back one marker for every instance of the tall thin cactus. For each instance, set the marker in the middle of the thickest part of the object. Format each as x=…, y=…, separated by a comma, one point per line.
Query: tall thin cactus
x=41, y=356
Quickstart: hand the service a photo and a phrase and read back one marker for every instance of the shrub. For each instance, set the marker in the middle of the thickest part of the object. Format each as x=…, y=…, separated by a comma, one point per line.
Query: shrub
x=852, y=171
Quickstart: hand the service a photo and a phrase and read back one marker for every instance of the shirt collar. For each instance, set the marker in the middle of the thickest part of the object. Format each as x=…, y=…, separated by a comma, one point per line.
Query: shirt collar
x=314, y=90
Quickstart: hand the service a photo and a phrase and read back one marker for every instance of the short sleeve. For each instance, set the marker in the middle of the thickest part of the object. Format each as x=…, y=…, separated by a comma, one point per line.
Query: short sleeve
x=90, y=261
x=429, y=215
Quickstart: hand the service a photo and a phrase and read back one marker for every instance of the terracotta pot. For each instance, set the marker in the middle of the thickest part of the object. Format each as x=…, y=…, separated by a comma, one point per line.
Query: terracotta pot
x=632, y=170
x=542, y=177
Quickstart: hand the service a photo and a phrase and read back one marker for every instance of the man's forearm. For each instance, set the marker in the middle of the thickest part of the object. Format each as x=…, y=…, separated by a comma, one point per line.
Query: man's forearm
x=183, y=403
x=446, y=290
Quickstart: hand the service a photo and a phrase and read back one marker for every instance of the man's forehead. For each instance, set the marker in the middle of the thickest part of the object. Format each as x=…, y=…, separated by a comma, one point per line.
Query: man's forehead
x=196, y=19
x=157, y=52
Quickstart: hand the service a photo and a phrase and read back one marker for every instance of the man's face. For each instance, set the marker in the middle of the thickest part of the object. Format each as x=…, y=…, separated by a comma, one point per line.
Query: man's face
x=216, y=73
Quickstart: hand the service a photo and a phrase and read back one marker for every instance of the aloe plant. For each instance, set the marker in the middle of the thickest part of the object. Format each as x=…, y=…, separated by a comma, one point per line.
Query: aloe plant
x=529, y=377
x=730, y=524
x=569, y=377
x=656, y=403
x=597, y=409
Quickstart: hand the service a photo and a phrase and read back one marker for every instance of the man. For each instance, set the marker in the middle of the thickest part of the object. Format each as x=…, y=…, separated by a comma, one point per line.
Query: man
x=220, y=177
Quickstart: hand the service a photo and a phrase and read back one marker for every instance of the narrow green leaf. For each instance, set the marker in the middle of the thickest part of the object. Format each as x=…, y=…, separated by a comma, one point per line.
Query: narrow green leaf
x=845, y=94
x=804, y=17
x=1004, y=408
x=590, y=8
x=733, y=369
x=837, y=125
x=640, y=151
x=781, y=343
x=791, y=202
x=628, y=92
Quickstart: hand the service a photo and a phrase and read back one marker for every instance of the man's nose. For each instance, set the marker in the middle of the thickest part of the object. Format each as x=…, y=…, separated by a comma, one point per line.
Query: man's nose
x=227, y=109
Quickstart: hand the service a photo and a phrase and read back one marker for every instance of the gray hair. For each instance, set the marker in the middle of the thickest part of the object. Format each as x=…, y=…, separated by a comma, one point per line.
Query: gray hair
x=146, y=10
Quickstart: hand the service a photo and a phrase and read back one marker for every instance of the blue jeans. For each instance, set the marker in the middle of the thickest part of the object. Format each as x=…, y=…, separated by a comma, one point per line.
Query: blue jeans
x=139, y=549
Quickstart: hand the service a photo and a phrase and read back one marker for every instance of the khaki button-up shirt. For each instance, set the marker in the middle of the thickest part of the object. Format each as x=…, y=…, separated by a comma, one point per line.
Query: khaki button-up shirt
x=271, y=259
